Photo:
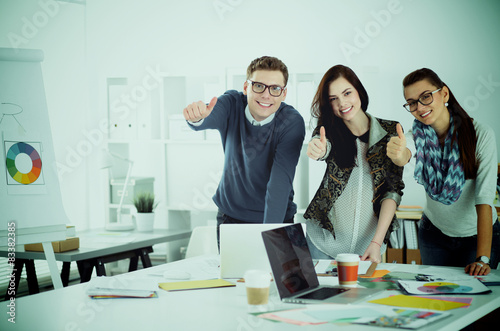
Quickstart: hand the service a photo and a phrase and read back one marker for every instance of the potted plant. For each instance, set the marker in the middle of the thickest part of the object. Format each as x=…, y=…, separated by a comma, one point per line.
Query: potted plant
x=145, y=204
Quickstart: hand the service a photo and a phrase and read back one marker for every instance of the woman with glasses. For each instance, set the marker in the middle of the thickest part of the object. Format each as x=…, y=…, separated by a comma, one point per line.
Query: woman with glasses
x=353, y=210
x=456, y=162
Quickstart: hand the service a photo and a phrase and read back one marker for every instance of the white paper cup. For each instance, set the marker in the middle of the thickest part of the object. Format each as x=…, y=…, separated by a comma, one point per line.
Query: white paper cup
x=347, y=269
x=257, y=285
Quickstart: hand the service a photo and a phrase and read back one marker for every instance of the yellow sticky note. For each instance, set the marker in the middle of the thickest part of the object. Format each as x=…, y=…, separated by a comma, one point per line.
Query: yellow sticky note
x=418, y=302
x=195, y=284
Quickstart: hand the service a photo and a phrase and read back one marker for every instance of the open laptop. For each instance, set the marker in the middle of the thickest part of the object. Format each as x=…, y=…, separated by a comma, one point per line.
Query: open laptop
x=242, y=249
x=294, y=272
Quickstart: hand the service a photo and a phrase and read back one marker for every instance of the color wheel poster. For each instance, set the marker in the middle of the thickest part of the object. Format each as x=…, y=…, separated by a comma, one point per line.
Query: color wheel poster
x=469, y=286
x=24, y=167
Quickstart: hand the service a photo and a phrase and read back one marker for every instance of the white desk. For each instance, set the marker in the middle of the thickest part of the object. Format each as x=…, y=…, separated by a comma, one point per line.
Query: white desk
x=210, y=309
x=96, y=248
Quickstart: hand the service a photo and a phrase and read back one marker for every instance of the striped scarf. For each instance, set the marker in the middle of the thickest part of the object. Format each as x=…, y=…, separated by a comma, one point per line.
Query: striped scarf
x=441, y=173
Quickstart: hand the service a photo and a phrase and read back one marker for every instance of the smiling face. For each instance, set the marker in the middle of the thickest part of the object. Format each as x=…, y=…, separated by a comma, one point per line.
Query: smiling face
x=262, y=105
x=344, y=99
x=434, y=114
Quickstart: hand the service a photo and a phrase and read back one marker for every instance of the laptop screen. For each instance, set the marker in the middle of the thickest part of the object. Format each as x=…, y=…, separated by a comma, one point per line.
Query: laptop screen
x=290, y=260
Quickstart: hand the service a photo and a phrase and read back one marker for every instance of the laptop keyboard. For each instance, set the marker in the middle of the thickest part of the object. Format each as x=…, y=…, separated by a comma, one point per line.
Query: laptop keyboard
x=323, y=293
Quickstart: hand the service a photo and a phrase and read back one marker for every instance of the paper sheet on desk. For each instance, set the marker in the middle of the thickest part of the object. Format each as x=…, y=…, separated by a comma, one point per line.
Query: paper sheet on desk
x=443, y=273
x=418, y=302
x=468, y=287
x=195, y=284
x=404, y=318
x=322, y=314
x=342, y=314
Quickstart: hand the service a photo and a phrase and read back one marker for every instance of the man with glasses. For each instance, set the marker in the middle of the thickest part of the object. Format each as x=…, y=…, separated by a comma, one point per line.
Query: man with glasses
x=262, y=138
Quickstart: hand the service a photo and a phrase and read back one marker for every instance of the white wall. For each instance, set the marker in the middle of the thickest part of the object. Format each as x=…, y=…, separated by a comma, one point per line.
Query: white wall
x=58, y=29
x=381, y=40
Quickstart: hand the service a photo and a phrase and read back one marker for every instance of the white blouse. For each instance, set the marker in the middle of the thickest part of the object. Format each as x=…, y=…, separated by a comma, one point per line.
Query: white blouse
x=352, y=214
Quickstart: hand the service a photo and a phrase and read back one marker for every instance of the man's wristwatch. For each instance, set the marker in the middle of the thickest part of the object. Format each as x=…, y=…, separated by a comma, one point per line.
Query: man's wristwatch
x=483, y=259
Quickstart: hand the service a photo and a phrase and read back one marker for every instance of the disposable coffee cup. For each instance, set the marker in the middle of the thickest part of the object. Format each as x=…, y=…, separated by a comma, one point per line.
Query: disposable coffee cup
x=347, y=269
x=257, y=285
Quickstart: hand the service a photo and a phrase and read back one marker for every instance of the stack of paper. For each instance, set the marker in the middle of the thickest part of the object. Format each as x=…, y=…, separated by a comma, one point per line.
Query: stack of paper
x=116, y=287
x=409, y=212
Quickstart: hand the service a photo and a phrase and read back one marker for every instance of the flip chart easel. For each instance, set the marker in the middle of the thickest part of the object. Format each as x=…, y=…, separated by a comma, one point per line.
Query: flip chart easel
x=31, y=209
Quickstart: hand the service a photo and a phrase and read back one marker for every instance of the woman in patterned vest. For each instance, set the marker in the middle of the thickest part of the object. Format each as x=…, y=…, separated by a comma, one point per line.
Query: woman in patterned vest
x=456, y=162
x=353, y=210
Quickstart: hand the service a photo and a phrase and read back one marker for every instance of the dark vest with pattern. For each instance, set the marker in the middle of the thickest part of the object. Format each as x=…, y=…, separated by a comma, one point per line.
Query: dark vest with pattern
x=387, y=177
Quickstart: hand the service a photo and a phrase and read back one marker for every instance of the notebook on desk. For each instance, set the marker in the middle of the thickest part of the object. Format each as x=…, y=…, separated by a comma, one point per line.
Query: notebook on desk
x=242, y=249
x=294, y=272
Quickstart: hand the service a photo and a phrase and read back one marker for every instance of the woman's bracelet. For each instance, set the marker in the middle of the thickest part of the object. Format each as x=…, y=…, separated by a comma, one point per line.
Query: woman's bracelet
x=373, y=241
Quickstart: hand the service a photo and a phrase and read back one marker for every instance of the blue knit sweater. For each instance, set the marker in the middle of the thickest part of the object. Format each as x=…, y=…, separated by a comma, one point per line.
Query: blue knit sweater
x=260, y=161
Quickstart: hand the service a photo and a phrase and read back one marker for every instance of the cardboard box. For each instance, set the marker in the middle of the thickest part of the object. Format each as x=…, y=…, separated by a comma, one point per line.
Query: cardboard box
x=395, y=255
x=413, y=256
x=59, y=246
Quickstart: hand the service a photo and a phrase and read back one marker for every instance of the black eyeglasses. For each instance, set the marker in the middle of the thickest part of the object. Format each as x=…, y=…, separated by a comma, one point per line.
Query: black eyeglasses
x=274, y=90
x=425, y=99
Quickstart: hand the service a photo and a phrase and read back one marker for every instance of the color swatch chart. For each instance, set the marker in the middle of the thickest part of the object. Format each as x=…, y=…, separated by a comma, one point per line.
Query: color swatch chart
x=24, y=163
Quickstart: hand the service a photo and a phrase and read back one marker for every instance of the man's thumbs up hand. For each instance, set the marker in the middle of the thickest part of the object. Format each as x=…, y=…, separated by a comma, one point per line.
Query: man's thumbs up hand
x=197, y=111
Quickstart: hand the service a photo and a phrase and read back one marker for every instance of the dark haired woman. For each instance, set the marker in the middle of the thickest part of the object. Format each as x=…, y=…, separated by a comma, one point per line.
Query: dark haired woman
x=353, y=210
x=456, y=162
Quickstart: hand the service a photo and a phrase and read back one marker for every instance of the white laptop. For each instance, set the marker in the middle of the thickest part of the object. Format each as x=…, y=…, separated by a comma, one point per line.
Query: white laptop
x=294, y=274
x=242, y=248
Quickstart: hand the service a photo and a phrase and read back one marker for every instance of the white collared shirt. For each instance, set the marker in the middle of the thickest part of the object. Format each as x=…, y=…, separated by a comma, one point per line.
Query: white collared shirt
x=352, y=213
x=253, y=121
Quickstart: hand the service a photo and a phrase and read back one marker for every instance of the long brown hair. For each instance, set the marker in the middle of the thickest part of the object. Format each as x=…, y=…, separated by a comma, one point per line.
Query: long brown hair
x=342, y=140
x=464, y=131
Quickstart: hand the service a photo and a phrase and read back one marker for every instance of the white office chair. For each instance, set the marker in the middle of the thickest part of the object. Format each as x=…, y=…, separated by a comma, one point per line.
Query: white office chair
x=203, y=241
